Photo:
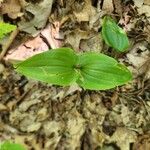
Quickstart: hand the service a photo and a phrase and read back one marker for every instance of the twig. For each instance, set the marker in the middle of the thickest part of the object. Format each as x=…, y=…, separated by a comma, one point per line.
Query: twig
x=7, y=45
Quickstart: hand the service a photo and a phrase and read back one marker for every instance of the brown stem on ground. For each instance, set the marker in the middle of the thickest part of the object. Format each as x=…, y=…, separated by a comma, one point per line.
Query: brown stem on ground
x=7, y=45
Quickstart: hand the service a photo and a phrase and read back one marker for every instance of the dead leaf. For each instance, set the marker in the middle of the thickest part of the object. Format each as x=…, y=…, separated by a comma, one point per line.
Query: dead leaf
x=145, y=9
x=146, y=2
x=41, y=12
x=75, y=37
x=3, y=107
x=142, y=143
x=94, y=44
x=138, y=3
x=48, y=38
x=12, y=8
x=108, y=6
x=123, y=138
x=87, y=14
x=118, y=7
x=26, y=50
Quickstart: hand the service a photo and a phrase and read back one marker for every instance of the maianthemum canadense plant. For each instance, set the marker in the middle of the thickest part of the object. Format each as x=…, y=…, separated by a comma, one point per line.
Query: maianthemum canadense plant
x=89, y=70
x=8, y=145
x=6, y=28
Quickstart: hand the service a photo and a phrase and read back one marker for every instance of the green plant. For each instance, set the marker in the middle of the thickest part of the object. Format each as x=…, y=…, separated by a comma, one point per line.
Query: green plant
x=6, y=28
x=64, y=67
x=7, y=145
x=113, y=35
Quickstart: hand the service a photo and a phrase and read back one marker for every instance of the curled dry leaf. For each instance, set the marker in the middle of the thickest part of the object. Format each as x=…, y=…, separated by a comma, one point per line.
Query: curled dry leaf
x=49, y=37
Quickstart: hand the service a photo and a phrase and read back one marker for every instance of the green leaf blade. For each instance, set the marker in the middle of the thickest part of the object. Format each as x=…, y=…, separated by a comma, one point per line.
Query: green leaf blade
x=7, y=145
x=102, y=73
x=113, y=35
x=55, y=67
x=6, y=28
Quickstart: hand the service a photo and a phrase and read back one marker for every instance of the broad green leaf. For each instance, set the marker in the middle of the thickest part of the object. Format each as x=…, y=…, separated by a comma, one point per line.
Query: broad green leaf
x=11, y=146
x=6, y=28
x=100, y=72
x=113, y=35
x=63, y=67
x=54, y=66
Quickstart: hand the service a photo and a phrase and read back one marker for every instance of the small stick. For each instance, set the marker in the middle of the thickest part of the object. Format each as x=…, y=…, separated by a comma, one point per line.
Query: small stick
x=7, y=45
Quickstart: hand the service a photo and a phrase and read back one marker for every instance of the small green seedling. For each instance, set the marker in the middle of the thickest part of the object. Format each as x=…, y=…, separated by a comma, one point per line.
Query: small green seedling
x=64, y=67
x=6, y=28
x=113, y=35
x=7, y=145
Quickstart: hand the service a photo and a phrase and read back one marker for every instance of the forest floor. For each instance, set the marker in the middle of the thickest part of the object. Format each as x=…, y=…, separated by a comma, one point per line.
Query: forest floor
x=46, y=117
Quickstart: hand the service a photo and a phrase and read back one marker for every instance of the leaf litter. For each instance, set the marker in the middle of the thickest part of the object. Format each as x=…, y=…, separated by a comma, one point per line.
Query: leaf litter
x=42, y=116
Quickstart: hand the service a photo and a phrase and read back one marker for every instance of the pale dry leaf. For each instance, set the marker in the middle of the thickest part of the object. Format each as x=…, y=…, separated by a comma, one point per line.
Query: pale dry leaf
x=24, y=106
x=48, y=37
x=87, y=14
x=118, y=7
x=34, y=127
x=1, y=68
x=72, y=89
x=3, y=107
x=145, y=9
x=26, y=50
x=138, y=60
x=52, y=127
x=108, y=6
x=75, y=127
x=142, y=143
x=75, y=37
x=138, y=3
x=42, y=114
x=123, y=138
x=52, y=35
x=98, y=137
x=12, y=8
x=94, y=43
x=147, y=2
x=41, y=12
x=28, y=141
x=26, y=122
x=55, y=128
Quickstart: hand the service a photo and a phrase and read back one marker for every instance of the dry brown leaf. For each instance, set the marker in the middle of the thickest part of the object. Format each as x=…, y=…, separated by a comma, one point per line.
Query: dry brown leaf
x=94, y=44
x=41, y=12
x=138, y=3
x=75, y=37
x=3, y=107
x=75, y=128
x=142, y=143
x=147, y=2
x=12, y=8
x=108, y=6
x=123, y=138
x=118, y=7
x=26, y=50
x=49, y=37
x=145, y=9
x=87, y=14
x=53, y=128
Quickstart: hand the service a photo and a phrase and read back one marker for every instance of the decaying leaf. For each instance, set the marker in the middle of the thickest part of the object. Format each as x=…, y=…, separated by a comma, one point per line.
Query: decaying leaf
x=41, y=12
x=75, y=37
x=12, y=8
x=108, y=6
x=138, y=3
x=123, y=138
x=26, y=50
x=144, y=10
